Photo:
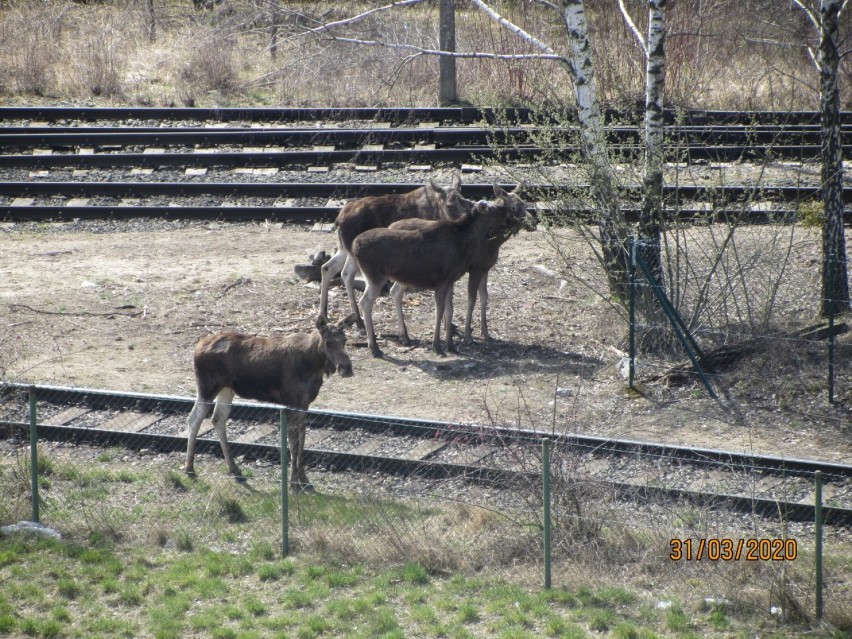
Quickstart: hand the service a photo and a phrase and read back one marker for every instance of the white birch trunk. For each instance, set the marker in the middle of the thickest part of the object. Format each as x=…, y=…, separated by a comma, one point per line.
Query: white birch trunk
x=835, y=278
x=655, y=79
x=595, y=150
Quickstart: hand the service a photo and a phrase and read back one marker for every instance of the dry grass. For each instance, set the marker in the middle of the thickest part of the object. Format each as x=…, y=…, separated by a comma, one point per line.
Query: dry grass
x=718, y=58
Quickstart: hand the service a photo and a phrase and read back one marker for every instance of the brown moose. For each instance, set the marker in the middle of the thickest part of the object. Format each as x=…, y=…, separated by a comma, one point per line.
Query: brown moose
x=434, y=255
x=287, y=370
x=429, y=202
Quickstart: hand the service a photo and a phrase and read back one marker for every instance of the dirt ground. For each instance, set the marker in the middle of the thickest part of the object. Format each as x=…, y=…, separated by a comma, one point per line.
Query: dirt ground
x=120, y=306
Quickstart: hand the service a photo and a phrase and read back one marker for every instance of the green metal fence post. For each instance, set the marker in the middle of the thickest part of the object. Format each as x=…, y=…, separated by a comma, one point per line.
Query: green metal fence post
x=34, y=454
x=831, y=331
x=818, y=544
x=545, y=476
x=285, y=497
x=632, y=309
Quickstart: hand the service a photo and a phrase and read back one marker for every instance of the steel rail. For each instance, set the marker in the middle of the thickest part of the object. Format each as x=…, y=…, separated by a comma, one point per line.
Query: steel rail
x=725, y=193
x=446, y=136
x=615, y=129
x=457, y=154
x=393, y=114
x=426, y=428
x=441, y=470
x=312, y=214
x=493, y=477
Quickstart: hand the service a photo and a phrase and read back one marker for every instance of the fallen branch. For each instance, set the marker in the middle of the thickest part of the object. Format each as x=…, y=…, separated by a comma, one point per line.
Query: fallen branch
x=136, y=313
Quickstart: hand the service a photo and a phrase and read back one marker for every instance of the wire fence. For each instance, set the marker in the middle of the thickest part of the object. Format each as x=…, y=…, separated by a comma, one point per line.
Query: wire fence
x=449, y=497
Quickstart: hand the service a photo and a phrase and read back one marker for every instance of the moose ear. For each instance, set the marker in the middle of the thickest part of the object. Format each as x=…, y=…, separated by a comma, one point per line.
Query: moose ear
x=498, y=191
x=434, y=186
x=322, y=321
x=519, y=189
x=456, y=186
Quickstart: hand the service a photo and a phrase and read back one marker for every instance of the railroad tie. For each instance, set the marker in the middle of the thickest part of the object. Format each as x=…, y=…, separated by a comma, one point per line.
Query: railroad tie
x=368, y=447
x=469, y=457
x=424, y=449
x=131, y=422
x=314, y=436
x=256, y=434
x=66, y=416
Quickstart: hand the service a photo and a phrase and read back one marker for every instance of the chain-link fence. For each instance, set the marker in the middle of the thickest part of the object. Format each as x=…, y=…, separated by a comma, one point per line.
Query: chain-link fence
x=449, y=497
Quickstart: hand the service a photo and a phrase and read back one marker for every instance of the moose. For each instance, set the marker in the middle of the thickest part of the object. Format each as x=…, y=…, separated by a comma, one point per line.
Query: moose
x=287, y=370
x=433, y=255
x=429, y=202
x=481, y=264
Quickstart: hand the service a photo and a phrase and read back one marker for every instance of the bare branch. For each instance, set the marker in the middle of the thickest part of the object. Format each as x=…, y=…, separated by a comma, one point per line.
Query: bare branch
x=366, y=14
x=454, y=54
x=551, y=5
x=515, y=29
x=811, y=15
x=813, y=57
x=626, y=14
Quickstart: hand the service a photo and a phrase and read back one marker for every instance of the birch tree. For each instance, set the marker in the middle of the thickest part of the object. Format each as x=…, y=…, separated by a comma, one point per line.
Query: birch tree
x=651, y=214
x=835, y=278
x=595, y=151
x=571, y=13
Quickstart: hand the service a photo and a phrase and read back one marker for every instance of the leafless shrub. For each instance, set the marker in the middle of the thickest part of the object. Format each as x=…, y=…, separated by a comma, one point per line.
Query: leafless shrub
x=212, y=65
x=28, y=36
x=100, y=66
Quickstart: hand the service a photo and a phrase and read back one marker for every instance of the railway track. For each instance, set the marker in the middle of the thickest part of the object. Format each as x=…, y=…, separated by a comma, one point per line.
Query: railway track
x=395, y=114
x=437, y=450
x=32, y=150
x=319, y=201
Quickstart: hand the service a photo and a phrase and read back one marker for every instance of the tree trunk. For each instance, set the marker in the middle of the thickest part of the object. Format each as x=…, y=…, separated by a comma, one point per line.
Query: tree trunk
x=274, y=21
x=150, y=24
x=651, y=217
x=835, y=279
x=613, y=231
x=447, y=64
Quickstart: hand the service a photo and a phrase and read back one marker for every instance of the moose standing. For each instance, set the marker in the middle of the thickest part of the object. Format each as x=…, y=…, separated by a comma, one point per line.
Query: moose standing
x=434, y=255
x=429, y=202
x=286, y=370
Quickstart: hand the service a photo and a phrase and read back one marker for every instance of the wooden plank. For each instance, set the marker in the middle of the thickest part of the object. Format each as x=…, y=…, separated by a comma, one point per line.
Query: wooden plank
x=469, y=457
x=368, y=447
x=67, y=415
x=205, y=429
x=314, y=436
x=130, y=422
x=256, y=434
x=424, y=449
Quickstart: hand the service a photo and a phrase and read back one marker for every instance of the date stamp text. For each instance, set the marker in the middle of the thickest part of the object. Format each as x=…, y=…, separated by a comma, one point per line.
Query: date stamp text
x=726, y=549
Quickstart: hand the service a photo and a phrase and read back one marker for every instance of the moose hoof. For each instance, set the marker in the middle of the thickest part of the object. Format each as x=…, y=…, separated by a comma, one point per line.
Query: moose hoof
x=376, y=351
x=189, y=472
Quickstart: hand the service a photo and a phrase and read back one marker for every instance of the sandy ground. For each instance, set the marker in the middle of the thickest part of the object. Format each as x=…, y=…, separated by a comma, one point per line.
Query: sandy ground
x=121, y=307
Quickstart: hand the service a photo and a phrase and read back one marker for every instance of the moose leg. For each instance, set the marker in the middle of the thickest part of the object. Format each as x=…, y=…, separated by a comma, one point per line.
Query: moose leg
x=367, y=300
x=448, y=320
x=200, y=411
x=220, y=416
x=350, y=269
x=296, y=439
x=440, y=305
x=397, y=292
x=483, y=305
x=328, y=270
x=476, y=282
